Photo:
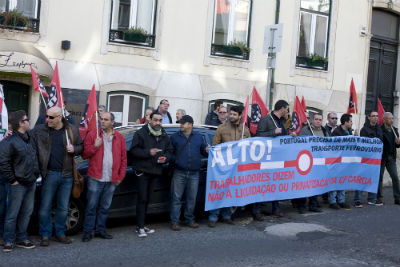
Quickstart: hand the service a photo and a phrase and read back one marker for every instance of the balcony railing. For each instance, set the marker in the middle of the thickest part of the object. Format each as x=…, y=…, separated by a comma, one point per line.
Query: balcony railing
x=32, y=25
x=122, y=37
x=230, y=51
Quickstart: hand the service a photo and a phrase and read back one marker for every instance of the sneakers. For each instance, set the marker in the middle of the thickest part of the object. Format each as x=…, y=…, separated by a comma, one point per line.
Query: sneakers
x=142, y=232
x=62, y=239
x=376, y=203
x=334, y=206
x=345, y=206
x=175, y=227
x=358, y=204
x=8, y=247
x=25, y=244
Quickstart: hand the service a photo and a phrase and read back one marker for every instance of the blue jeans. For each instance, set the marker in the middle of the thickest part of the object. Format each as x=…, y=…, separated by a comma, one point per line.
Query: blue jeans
x=340, y=194
x=4, y=185
x=99, y=198
x=225, y=212
x=358, y=196
x=184, y=181
x=54, y=184
x=20, y=206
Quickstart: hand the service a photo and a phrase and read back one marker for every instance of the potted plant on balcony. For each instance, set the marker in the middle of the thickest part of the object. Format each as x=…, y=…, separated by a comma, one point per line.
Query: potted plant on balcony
x=13, y=19
x=236, y=48
x=316, y=60
x=136, y=34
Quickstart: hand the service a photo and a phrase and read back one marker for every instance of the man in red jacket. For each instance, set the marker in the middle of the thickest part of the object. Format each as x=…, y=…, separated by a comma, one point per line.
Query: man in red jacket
x=107, y=167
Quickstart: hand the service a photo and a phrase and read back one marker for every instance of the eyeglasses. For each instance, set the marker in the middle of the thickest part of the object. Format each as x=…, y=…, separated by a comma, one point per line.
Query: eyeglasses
x=52, y=117
x=222, y=112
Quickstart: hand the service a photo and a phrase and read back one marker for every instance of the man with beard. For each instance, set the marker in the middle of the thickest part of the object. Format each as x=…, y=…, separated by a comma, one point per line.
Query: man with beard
x=150, y=149
x=229, y=131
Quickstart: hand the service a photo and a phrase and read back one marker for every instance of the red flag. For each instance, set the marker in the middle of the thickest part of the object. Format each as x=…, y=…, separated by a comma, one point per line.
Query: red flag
x=381, y=111
x=37, y=84
x=352, y=108
x=245, y=111
x=89, y=121
x=298, y=117
x=56, y=98
x=303, y=104
x=258, y=110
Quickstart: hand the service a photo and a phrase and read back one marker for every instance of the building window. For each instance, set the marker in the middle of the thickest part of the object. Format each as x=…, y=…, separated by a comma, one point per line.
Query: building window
x=22, y=15
x=133, y=22
x=126, y=107
x=313, y=34
x=231, y=29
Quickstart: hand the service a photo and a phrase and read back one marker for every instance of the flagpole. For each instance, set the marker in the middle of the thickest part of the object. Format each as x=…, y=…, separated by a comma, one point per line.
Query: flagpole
x=394, y=132
x=309, y=125
x=63, y=112
x=97, y=125
x=251, y=95
x=44, y=102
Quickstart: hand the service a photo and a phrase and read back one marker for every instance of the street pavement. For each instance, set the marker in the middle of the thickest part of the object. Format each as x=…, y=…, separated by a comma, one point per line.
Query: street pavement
x=368, y=236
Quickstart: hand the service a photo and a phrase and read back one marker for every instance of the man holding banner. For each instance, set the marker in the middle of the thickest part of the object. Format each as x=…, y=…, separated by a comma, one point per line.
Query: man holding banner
x=337, y=198
x=315, y=129
x=272, y=125
x=231, y=130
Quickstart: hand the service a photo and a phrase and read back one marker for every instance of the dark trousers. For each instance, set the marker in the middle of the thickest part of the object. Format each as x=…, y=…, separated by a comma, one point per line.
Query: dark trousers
x=390, y=164
x=3, y=199
x=312, y=202
x=145, y=184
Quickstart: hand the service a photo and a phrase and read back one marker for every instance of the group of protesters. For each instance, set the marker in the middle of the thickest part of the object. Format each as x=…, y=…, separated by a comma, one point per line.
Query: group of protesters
x=48, y=151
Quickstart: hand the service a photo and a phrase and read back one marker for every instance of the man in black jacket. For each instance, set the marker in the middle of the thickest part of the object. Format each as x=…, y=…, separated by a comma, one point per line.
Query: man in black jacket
x=56, y=153
x=212, y=116
x=391, y=142
x=18, y=163
x=371, y=129
x=150, y=149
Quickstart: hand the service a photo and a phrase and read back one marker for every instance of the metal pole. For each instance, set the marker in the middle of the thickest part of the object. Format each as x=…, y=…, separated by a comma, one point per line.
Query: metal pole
x=270, y=67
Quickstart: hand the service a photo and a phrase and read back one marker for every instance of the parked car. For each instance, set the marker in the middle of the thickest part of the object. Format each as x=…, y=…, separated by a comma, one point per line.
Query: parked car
x=124, y=200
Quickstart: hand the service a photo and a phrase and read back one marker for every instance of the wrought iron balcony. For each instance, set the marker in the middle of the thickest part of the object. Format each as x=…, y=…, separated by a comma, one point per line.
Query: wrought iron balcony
x=123, y=37
x=32, y=25
x=230, y=51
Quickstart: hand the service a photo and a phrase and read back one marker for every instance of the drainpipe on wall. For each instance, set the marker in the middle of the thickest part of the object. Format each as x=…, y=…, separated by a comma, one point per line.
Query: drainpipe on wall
x=272, y=84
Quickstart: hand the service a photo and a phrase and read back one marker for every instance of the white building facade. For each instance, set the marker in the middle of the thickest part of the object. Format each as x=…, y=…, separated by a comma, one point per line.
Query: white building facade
x=193, y=52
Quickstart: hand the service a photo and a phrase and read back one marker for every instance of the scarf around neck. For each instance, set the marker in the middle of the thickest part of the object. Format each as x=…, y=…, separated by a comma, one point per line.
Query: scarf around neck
x=154, y=132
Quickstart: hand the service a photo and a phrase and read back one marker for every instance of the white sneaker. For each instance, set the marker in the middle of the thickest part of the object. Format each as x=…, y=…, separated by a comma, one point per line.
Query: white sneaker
x=148, y=230
x=141, y=232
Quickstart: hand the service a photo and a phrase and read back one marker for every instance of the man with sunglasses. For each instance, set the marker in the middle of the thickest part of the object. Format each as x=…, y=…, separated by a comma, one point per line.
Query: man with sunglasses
x=57, y=142
x=331, y=124
x=19, y=165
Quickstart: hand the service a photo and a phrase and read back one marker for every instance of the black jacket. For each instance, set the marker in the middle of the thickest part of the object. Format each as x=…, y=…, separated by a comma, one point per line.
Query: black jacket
x=18, y=159
x=340, y=132
x=387, y=150
x=41, y=136
x=212, y=119
x=371, y=131
x=142, y=142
